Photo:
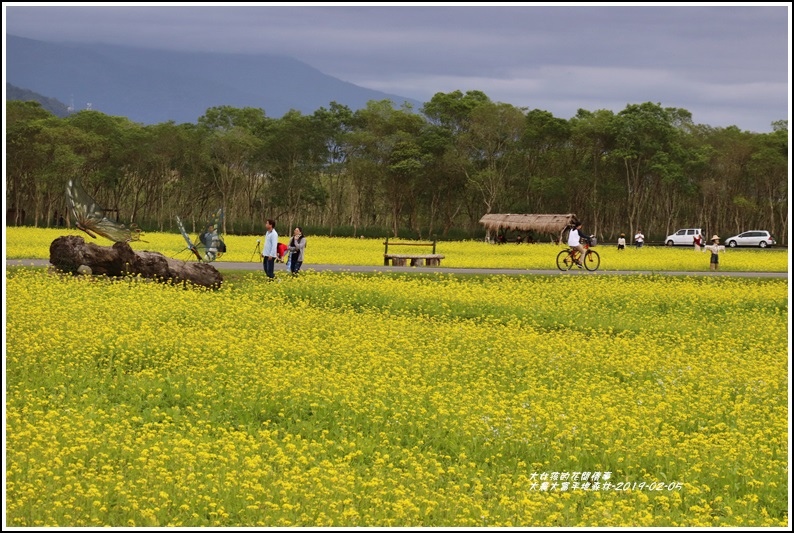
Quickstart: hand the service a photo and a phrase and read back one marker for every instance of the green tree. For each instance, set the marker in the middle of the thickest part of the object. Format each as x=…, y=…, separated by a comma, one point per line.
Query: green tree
x=23, y=155
x=450, y=117
x=334, y=125
x=644, y=138
x=234, y=145
x=769, y=165
x=296, y=149
x=383, y=152
x=549, y=166
x=491, y=147
x=60, y=144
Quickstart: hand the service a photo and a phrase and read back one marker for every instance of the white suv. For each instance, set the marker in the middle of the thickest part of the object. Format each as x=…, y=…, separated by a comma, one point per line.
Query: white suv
x=683, y=237
x=751, y=238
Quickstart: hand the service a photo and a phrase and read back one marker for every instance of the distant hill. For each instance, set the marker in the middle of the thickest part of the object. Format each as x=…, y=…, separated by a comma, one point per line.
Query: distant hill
x=54, y=106
x=152, y=86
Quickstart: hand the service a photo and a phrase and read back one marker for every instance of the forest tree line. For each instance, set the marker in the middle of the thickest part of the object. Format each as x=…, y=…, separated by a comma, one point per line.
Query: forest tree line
x=384, y=170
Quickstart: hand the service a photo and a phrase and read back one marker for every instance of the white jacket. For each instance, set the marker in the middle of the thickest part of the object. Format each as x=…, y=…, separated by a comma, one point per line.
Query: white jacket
x=574, y=238
x=271, y=242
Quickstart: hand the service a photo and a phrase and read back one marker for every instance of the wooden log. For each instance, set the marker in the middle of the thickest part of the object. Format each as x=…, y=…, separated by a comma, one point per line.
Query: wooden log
x=69, y=253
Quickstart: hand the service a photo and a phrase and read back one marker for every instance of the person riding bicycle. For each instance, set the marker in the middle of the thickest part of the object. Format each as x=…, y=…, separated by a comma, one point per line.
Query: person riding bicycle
x=575, y=238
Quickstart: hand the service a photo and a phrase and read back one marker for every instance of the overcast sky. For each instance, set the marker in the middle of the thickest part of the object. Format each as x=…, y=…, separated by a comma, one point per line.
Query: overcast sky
x=728, y=65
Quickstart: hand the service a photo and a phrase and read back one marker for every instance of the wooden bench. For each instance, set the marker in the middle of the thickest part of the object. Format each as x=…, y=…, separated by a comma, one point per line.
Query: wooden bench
x=432, y=259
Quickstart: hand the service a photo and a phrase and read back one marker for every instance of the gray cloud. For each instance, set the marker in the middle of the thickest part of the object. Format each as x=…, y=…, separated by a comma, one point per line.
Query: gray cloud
x=728, y=65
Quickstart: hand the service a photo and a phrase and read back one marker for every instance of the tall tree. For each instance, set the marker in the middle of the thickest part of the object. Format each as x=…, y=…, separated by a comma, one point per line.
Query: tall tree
x=644, y=134
x=491, y=145
x=383, y=145
x=450, y=115
x=769, y=165
x=23, y=155
x=296, y=150
x=334, y=125
x=233, y=147
x=548, y=164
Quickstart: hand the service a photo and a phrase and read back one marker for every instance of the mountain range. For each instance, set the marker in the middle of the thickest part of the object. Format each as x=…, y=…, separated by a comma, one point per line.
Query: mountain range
x=53, y=105
x=151, y=86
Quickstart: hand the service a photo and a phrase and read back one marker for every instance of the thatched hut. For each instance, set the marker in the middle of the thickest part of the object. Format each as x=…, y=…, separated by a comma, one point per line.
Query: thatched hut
x=554, y=224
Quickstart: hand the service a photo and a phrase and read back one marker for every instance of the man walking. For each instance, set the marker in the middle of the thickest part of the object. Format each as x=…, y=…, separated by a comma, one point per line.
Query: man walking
x=269, y=253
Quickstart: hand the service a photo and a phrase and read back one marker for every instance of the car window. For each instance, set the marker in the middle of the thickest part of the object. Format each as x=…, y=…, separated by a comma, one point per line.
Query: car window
x=745, y=234
x=690, y=232
x=681, y=232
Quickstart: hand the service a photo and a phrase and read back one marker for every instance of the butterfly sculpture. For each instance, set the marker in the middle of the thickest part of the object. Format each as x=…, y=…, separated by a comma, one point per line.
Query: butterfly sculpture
x=209, y=245
x=90, y=217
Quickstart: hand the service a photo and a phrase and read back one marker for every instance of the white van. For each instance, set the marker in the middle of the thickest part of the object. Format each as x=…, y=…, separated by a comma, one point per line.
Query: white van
x=684, y=237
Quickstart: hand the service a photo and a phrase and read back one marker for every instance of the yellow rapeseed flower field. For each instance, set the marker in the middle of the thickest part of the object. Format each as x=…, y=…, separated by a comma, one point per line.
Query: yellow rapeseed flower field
x=34, y=243
x=397, y=400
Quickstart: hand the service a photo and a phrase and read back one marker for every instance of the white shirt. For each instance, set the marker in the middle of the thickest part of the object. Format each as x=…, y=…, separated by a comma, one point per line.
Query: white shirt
x=574, y=237
x=639, y=237
x=271, y=240
x=622, y=241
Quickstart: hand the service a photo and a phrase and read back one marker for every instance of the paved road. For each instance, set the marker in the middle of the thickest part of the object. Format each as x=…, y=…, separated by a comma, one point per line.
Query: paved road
x=257, y=266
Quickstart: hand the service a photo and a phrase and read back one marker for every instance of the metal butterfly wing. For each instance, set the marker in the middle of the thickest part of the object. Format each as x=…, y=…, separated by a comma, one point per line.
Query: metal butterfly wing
x=209, y=244
x=89, y=216
x=190, y=245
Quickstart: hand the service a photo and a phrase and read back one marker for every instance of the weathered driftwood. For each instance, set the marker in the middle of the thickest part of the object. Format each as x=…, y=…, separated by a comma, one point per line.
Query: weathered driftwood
x=69, y=253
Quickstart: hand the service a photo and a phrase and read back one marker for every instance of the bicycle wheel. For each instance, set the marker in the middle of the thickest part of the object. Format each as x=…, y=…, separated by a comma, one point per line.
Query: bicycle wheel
x=592, y=261
x=564, y=261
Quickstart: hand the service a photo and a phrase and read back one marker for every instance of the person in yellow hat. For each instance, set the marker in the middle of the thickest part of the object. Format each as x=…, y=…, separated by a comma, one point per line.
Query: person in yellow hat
x=715, y=250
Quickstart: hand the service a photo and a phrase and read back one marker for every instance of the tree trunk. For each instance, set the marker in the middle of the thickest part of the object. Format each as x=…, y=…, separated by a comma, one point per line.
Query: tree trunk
x=70, y=253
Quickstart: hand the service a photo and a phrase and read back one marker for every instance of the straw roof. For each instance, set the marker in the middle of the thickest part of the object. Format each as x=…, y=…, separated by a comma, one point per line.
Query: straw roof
x=539, y=223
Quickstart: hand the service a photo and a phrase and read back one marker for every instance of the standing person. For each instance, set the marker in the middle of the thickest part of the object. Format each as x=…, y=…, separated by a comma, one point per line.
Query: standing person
x=297, y=247
x=622, y=241
x=639, y=239
x=698, y=242
x=212, y=242
x=270, y=252
x=715, y=250
x=575, y=241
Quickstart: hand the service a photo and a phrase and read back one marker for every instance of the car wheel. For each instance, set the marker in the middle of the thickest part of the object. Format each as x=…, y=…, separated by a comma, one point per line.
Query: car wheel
x=732, y=244
x=669, y=243
x=762, y=244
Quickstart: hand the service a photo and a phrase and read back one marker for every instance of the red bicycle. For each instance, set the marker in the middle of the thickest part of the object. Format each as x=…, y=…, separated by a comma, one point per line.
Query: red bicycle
x=566, y=259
